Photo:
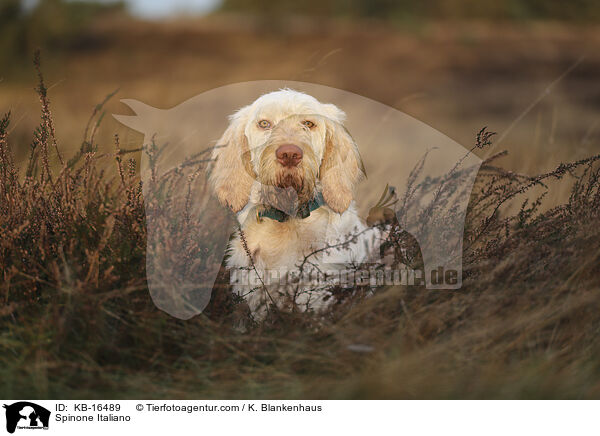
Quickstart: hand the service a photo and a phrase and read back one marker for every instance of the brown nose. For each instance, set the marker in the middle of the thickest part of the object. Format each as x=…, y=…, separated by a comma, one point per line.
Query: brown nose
x=289, y=155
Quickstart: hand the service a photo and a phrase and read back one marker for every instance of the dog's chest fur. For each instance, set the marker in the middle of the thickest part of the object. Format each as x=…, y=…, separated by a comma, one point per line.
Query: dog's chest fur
x=322, y=242
x=280, y=245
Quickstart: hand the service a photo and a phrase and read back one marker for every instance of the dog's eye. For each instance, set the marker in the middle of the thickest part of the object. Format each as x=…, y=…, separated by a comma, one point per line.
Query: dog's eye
x=308, y=124
x=264, y=124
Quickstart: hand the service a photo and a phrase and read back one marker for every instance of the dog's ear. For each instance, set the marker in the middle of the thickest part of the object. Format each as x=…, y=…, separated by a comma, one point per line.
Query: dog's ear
x=341, y=167
x=231, y=175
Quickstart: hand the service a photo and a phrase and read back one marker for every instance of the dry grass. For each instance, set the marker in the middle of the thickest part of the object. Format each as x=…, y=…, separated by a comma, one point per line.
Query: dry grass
x=77, y=320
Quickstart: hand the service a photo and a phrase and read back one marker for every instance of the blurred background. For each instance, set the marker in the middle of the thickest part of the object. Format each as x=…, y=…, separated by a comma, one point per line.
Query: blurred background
x=528, y=69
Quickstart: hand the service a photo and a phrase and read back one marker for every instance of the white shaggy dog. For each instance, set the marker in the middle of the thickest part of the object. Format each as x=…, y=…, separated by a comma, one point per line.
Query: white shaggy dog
x=287, y=167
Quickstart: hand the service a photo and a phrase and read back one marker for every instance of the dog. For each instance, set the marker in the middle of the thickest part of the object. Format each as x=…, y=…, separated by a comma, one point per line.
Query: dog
x=288, y=168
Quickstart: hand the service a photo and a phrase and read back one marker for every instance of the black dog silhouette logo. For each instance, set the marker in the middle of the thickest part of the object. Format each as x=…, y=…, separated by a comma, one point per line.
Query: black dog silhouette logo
x=26, y=415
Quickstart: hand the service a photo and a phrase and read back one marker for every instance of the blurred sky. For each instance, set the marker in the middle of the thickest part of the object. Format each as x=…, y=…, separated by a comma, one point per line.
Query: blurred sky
x=165, y=8
x=154, y=9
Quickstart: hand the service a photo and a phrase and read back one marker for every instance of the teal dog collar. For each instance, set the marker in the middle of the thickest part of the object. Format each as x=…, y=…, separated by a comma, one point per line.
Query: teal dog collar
x=303, y=212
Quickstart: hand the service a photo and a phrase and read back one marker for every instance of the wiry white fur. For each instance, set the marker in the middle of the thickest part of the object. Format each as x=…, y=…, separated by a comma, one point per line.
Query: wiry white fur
x=280, y=249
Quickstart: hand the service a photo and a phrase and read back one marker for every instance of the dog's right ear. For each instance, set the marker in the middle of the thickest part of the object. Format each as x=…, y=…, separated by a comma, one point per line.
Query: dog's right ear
x=231, y=172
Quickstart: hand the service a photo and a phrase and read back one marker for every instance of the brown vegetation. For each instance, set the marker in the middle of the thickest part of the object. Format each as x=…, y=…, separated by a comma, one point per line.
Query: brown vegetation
x=77, y=320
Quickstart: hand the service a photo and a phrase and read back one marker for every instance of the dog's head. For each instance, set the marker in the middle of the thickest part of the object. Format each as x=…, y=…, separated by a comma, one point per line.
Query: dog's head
x=288, y=141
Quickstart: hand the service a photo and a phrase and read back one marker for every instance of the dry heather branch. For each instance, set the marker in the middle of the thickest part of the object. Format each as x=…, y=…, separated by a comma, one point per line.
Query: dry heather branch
x=64, y=230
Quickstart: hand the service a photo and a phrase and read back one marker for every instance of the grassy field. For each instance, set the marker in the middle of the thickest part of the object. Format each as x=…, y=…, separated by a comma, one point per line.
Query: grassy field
x=76, y=319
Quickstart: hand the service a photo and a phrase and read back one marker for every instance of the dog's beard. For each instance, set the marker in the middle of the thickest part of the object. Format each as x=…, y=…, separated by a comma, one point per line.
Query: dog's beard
x=283, y=199
x=290, y=178
x=286, y=189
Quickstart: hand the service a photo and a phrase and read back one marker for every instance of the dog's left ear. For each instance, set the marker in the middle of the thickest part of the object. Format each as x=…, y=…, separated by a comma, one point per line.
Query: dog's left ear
x=341, y=168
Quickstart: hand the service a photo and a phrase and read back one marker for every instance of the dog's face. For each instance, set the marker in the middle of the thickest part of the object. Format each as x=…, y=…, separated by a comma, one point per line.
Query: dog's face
x=287, y=141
